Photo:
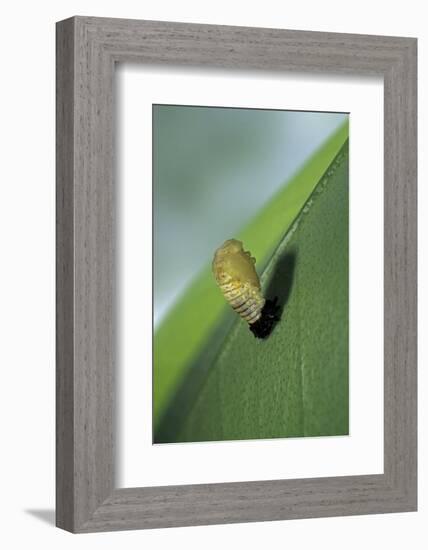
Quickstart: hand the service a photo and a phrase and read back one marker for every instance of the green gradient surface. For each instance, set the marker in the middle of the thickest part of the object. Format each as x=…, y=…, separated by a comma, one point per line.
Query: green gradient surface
x=183, y=335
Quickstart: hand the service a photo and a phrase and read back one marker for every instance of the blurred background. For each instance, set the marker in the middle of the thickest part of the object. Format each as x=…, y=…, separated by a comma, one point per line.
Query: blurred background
x=214, y=169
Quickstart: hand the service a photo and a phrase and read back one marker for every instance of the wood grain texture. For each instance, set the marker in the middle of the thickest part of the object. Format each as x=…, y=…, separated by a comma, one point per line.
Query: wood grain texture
x=87, y=49
x=64, y=278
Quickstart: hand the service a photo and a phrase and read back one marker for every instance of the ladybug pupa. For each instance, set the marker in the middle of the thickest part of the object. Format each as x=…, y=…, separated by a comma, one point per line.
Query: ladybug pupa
x=235, y=273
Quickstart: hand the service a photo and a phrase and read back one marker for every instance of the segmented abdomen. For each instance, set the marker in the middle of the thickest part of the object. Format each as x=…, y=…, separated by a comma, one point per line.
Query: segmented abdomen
x=245, y=300
x=237, y=278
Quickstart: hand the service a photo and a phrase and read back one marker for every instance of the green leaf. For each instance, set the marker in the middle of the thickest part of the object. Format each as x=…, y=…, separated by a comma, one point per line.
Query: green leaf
x=201, y=316
x=294, y=383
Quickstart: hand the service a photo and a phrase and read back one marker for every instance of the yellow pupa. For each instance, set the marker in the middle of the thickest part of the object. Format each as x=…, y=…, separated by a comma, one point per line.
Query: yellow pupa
x=235, y=273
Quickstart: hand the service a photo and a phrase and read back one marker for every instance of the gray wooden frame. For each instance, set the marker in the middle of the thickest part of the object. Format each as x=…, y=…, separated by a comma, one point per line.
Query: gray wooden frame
x=87, y=50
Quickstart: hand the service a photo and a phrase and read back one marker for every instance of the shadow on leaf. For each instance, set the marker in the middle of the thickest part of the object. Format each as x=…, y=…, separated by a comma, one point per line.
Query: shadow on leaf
x=281, y=281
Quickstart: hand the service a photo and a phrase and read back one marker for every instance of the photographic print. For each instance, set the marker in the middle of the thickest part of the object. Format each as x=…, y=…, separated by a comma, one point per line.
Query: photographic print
x=250, y=274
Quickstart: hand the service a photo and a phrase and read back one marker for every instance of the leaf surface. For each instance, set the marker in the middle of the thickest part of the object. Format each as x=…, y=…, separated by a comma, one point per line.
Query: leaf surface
x=200, y=315
x=294, y=383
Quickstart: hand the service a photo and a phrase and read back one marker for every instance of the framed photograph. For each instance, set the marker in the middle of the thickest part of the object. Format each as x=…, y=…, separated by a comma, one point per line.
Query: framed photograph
x=236, y=274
